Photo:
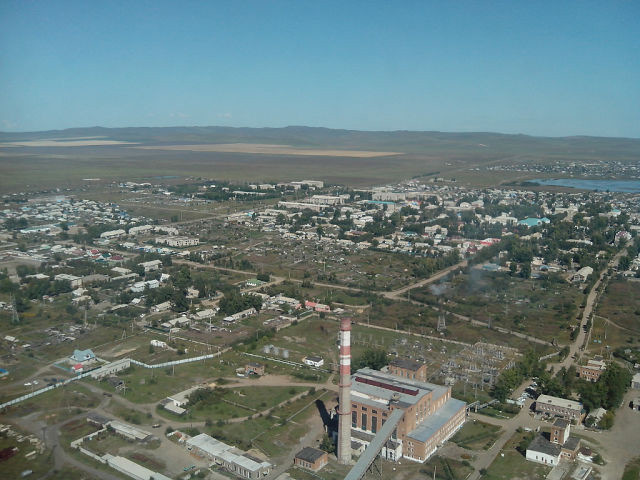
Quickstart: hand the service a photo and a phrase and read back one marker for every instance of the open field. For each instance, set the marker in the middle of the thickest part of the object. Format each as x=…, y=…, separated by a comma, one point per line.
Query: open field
x=445, y=469
x=545, y=310
x=40, y=464
x=632, y=470
x=513, y=464
x=63, y=143
x=476, y=435
x=620, y=303
x=425, y=154
x=277, y=433
x=256, y=148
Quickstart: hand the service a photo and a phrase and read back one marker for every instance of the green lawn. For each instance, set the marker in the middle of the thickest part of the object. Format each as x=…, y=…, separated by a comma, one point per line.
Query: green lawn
x=476, y=435
x=632, y=470
x=446, y=469
x=513, y=464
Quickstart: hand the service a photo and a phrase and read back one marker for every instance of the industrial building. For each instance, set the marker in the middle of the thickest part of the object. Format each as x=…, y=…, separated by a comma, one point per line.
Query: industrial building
x=394, y=416
x=228, y=457
x=429, y=415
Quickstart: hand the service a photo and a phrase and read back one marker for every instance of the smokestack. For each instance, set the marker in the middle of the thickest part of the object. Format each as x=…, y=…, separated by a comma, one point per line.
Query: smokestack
x=344, y=396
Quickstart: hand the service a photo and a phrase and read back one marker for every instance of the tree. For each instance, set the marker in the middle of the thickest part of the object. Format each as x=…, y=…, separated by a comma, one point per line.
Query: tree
x=327, y=444
x=374, y=358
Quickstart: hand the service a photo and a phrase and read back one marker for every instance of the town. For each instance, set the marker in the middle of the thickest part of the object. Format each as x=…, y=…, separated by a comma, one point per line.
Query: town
x=200, y=328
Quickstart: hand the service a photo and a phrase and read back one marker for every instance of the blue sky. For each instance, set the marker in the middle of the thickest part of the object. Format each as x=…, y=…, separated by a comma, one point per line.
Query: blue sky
x=540, y=68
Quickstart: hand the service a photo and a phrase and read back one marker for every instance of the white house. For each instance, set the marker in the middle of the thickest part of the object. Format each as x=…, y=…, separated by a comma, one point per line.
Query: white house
x=158, y=343
x=240, y=315
x=541, y=450
x=151, y=265
x=313, y=361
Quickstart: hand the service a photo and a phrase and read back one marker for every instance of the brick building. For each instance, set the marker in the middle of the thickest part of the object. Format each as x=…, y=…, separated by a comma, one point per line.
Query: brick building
x=430, y=415
x=311, y=459
x=403, y=367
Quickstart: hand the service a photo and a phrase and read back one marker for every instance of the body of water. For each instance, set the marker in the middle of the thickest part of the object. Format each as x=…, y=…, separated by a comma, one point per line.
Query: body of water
x=624, y=186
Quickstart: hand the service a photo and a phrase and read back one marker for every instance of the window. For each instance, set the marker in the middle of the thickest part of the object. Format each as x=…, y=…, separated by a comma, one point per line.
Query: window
x=364, y=421
x=374, y=424
x=354, y=419
x=364, y=409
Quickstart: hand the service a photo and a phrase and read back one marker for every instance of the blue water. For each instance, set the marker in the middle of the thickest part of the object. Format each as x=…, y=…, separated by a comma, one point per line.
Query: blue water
x=624, y=186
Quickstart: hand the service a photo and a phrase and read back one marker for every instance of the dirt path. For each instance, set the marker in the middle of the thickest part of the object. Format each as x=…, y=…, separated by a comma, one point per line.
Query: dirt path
x=583, y=337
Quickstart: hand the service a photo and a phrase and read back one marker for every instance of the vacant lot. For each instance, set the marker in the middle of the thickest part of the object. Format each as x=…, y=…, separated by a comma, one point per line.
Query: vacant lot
x=476, y=435
x=513, y=464
x=621, y=304
x=270, y=149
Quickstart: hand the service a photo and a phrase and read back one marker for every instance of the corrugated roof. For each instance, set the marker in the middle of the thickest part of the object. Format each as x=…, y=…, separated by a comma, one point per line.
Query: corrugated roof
x=386, y=394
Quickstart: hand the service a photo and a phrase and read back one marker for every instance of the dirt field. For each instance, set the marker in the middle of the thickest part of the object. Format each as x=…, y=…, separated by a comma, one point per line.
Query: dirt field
x=93, y=142
x=270, y=150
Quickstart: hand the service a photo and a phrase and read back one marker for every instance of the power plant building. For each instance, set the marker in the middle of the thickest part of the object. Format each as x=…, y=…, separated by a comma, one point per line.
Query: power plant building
x=429, y=417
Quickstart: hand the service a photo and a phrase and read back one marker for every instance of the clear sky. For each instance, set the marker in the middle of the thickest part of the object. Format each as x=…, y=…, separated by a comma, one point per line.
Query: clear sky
x=541, y=68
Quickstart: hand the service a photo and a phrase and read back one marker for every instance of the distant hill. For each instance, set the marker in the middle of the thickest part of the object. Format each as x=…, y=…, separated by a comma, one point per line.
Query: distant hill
x=402, y=141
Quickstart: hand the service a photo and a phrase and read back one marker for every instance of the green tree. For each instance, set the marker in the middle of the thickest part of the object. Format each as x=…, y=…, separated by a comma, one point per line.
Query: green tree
x=374, y=358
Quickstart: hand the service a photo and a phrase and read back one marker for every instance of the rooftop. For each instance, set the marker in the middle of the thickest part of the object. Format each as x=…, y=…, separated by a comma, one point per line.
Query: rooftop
x=542, y=445
x=310, y=454
x=561, y=422
x=383, y=388
x=559, y=402
x=406, y=363
x=433, y=423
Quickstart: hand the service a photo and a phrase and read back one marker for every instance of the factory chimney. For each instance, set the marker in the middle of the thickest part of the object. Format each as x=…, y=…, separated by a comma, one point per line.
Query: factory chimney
x=344, y=397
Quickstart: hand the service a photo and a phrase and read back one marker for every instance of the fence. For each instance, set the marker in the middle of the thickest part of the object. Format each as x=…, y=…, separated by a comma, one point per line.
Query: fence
x=85, y=374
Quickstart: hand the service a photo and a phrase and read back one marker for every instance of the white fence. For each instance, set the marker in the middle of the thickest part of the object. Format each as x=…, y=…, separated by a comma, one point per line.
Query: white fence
x=85, y=374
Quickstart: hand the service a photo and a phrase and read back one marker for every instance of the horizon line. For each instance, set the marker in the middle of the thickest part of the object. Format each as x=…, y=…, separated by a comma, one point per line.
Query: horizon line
x=486, y=132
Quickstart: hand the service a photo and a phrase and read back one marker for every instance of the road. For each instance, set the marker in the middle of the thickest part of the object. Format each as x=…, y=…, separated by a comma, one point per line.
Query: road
x=617, y=446
x=583, y=337
x=50, y=434
x=394, y=294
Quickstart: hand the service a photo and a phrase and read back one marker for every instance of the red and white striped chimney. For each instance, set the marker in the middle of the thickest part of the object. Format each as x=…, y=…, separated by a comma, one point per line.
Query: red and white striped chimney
x=344, y=396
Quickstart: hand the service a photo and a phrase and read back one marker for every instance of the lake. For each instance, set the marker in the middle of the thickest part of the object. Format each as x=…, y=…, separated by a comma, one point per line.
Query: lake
x=624, y=186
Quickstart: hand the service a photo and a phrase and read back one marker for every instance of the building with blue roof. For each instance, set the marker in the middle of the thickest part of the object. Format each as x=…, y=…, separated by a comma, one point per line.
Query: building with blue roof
x=81, y=356
x=533, y=221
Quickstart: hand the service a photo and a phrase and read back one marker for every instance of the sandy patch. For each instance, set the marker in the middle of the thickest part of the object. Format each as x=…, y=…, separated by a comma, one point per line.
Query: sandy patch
x=257, y=148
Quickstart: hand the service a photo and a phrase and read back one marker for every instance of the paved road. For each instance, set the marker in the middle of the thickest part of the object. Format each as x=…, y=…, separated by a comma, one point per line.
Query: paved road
x=617, y=446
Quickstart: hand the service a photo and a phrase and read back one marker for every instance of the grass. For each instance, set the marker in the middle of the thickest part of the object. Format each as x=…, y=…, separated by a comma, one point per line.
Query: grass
x=490, y=411
x=152, y=385
x=75, y=429
x=541, y=308
x=446, y=468
x=40, y=464
x=476, y=435
x=513, y=465
x=632, y=470
x=274, y=434
x=621, y=304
